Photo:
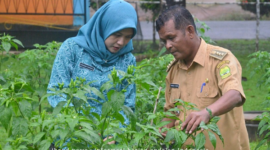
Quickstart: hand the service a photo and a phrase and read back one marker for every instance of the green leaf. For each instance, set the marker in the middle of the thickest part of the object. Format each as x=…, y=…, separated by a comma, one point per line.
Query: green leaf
x=6, y=46
x=96, y=115
x=130, y=115
x=152, y=116
x=72, y=123
x=45, y=97
x=183, y=136
x=5, y=116
x=163, y=123
x=82, y=135
x=210, y=112
x=264, y=128
x=15, y=107
x=106, y=86
x=200, y=140
x=215, y=119
x=106, y=108
x=212, y=138
x=19, y=126
x=94, y=136
x=203, y=126
x=46, y=123
x=119, y=117
x=55, y=133
x=214, y=128
x=81, y=95
x=38, y=137
x=63, y=133
x=151, y=83
x=59, y=107
x=44, y=145
x=18, y=42
x=14, y=45
x=137, y=137
x=25, y=108
x=162, y=51
x=2, y=78
x=169, y=136
x=86, y=125
x=262, y=122
x=261, y=143
x=117, y=99
x=97, y=93
x=78, y=103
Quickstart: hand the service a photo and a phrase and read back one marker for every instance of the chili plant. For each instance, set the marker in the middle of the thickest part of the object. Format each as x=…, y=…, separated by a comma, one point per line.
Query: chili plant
x=260, y=61
x=38, y=64
x=7, y=42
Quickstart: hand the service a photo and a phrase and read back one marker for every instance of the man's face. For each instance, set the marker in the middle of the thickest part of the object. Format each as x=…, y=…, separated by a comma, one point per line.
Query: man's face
x=176, y=41
x=118, y=40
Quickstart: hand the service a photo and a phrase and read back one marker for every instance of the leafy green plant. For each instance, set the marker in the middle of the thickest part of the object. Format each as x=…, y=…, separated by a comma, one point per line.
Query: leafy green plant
x=202, y=27
x=261, y=60
x=38, y=64
x=7, y=42
x=72, y=123
x=198, y=137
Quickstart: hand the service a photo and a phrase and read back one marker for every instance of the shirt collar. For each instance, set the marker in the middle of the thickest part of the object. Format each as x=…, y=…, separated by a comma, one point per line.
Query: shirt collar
x=199, y=57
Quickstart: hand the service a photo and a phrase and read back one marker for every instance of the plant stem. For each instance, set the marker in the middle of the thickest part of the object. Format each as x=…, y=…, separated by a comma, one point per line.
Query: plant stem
x=1, y=60
x=39, y=98
x=102, y=131
x=156, y=104
x=24, y=117
x=155, y=109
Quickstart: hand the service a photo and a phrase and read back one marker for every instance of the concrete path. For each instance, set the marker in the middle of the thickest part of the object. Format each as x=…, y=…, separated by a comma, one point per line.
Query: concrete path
x=220, y=30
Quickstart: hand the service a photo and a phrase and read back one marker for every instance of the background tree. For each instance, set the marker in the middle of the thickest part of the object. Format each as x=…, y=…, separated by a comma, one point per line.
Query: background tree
x=155, y=8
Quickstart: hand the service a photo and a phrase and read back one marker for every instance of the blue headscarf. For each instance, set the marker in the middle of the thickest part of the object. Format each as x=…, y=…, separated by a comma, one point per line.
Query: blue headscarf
x=113, y=16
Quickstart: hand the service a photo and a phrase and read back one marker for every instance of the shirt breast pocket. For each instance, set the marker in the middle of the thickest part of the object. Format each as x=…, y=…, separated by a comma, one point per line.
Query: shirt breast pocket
x=206, y=95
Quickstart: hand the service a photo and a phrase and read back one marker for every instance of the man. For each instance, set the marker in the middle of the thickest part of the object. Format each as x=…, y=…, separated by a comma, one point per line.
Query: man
x=206, y=75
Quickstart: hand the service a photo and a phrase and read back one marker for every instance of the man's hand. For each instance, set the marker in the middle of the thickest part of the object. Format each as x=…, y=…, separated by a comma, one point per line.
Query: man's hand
x=194, y=119
x=167, y=126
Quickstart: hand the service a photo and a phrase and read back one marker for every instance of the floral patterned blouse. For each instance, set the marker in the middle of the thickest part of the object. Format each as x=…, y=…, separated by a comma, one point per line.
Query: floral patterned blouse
x=73, y=61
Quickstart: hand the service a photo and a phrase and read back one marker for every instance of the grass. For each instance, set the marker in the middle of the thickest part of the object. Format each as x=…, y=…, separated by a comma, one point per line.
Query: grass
x=254, y=144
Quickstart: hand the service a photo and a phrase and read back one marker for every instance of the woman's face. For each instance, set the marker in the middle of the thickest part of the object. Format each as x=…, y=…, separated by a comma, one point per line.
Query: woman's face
x=118, y=40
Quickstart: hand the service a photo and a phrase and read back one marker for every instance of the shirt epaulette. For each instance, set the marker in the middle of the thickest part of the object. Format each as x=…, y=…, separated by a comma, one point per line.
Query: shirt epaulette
x=218, y=54
x=171, y=64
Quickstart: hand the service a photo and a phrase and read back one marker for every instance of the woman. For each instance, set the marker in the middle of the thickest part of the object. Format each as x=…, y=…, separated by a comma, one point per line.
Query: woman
x=102, y=44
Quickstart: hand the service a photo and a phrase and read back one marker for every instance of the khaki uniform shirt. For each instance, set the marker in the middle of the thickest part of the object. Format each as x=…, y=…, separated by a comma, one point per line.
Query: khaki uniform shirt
x=219, y=77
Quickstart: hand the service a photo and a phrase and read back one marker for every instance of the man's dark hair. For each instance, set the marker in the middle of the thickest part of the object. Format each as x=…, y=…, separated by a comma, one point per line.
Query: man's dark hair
x=180, y=15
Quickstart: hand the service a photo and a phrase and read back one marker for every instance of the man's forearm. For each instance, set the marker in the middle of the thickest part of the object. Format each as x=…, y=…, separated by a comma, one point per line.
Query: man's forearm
x=227, y=102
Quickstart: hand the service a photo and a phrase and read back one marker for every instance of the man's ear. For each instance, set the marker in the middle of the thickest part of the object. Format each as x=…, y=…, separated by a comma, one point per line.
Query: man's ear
x=190, y=31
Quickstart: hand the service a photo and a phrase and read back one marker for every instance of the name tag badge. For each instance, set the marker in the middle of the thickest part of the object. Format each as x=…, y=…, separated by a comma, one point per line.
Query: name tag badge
x=82, y=65
x=174, y=86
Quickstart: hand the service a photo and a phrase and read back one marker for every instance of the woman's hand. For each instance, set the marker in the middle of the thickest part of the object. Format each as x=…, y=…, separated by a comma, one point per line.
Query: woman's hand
x=112, y=142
